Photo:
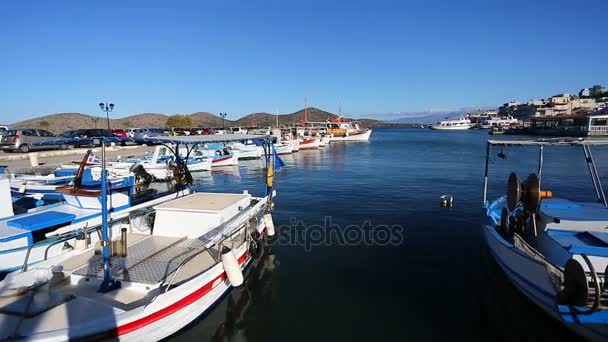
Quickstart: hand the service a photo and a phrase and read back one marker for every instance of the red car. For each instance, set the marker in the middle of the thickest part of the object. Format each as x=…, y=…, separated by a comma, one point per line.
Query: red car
x=119, y=132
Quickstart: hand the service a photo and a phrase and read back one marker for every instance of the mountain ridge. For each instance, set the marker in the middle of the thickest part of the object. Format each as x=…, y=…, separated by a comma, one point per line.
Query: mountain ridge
x=60, y=122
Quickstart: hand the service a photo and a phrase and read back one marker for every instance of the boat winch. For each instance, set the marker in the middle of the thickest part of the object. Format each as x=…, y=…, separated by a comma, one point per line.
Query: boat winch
x=576, y=291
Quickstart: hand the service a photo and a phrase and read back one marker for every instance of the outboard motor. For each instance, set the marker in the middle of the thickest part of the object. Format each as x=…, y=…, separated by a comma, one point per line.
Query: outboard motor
x=141, y=175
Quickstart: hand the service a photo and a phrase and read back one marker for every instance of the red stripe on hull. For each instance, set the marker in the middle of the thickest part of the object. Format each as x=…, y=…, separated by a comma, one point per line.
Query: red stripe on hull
x=162, y=313
x=221, y=159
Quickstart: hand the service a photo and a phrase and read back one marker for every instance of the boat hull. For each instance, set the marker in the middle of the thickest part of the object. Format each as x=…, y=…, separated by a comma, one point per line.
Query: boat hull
x=200, y=164
x=309, y=144
x=169, y=313
x=283, y=148
x=531, y=277
x=229, y=160
x=451, y=128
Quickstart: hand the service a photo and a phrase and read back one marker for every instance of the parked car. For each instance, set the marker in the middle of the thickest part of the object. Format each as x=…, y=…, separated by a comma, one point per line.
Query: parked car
x=119, y=132
x=90, y=133
x=150, y=132
x=131, y=132
x=69, y=134
x=3, y=129
x=22, y=140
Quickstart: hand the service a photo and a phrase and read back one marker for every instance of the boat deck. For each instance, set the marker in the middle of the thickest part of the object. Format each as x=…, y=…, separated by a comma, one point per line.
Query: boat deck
x=149, y=261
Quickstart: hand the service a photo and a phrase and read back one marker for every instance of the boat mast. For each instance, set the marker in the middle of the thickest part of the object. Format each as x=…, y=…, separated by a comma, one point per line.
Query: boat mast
x=305, y=110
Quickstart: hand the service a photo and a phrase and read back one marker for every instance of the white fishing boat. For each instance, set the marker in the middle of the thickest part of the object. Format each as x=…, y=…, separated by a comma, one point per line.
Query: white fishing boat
x=220, y=155
x=283, y=148
x=453, y=124
x=555, y=251
x=309, y=143
x=247, y=150
x=141, y=286
x=342, y=129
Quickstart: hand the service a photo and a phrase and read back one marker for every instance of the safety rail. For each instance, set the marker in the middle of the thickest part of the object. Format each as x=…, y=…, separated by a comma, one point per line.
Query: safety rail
x=84, y=230
x=225, y=236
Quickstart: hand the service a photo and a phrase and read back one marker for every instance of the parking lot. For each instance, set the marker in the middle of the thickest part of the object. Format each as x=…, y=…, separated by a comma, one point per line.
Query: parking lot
x=53, y=158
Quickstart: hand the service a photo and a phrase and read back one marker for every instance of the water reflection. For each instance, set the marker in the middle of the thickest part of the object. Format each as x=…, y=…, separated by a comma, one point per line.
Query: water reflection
x=236, y=317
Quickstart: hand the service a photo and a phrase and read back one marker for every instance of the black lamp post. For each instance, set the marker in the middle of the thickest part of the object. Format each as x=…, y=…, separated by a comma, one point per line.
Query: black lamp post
x=107, y=107
x=223, y=115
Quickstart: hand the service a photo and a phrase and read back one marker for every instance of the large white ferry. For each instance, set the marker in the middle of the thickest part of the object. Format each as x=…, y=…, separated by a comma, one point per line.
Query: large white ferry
x=453, y=124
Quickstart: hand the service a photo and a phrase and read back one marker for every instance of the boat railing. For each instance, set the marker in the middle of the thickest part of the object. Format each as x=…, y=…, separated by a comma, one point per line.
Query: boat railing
x=225, y=236
x=85, y=230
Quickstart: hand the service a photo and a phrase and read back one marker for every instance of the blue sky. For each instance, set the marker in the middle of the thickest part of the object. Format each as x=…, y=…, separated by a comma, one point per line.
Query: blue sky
x=239, y=57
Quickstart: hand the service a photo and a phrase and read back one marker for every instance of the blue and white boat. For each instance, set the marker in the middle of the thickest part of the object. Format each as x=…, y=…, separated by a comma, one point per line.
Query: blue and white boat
x=220, y=154
x=555, y=251
x=32, y=235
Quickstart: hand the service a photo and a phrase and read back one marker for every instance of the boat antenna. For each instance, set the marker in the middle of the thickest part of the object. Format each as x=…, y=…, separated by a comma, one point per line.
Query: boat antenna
x=276, y=110
x=305, y=110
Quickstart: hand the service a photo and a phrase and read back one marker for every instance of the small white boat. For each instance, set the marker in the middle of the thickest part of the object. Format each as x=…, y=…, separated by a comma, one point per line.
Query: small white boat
x=283, y=148
x=247, y=151
x=453, y=124
x=309, y=143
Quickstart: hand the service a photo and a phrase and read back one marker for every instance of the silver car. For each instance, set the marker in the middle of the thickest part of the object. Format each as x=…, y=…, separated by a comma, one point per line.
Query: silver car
x=22, y=140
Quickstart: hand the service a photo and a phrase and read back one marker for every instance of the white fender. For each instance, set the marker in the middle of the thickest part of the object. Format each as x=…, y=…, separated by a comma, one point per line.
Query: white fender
x=269, y=224
x=23, y=187
x=232, y=267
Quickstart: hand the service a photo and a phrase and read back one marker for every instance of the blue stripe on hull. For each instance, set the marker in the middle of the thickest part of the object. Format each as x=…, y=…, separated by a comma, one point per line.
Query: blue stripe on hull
x=595, y=327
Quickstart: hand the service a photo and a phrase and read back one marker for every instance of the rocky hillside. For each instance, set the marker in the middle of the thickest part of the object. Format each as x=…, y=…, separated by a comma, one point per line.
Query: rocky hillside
x=67, y=121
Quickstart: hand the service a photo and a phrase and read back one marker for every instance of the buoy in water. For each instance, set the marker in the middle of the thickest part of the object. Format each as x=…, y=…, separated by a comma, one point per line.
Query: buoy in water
x=446, y=201
x=231, y=267
x=269, y=224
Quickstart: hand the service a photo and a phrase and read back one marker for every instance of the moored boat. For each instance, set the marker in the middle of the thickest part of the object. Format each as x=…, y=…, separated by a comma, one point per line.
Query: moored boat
x=309, y=143
x=142, y=286
x=283, y=148
x=342, y=129
x=452, y=124
x=553, y=250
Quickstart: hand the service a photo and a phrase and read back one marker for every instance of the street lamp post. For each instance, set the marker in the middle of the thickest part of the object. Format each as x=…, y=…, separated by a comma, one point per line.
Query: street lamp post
x=107, y=107
x=223, y=115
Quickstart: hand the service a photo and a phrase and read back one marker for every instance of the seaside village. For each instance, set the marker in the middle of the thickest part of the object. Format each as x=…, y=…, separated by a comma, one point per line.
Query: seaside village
x=566, y=114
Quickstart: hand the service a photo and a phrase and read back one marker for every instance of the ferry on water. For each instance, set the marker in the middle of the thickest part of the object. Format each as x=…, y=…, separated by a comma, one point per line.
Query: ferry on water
x=453, y=124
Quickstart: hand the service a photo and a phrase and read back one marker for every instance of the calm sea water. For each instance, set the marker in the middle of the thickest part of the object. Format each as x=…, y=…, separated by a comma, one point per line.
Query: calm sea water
x=366, y=253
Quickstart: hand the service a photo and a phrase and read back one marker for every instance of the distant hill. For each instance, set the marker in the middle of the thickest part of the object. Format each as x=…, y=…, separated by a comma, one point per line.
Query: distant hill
x=68, y=121
x=423, y=118
x=267, y=119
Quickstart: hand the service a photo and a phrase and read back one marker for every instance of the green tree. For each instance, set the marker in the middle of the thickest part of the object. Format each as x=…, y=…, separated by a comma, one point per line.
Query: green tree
x=44, y=124
x=178, y=120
